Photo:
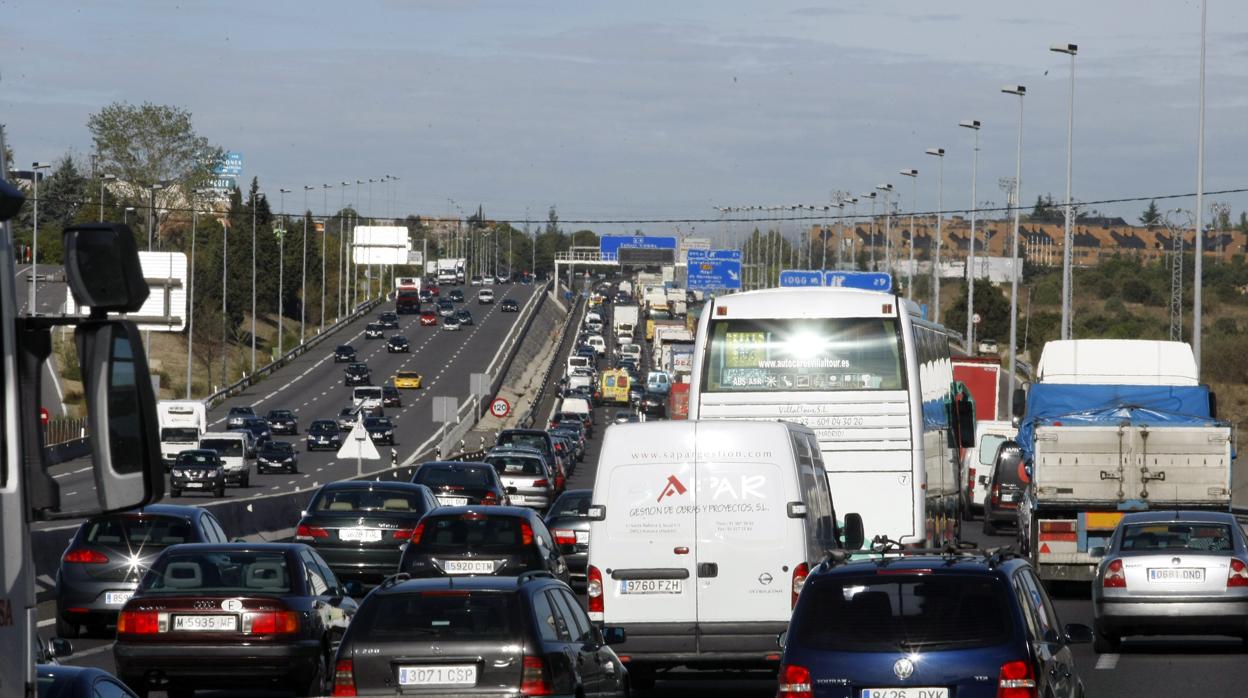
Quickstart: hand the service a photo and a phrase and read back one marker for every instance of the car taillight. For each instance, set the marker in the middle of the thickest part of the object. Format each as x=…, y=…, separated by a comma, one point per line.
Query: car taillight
x=85, y=556
x=526, y=534
x=799, y=580
x=489, y=498
x=344, y=678
x=1016, y=681
x=138, y=623
x=996, y=494
x=541, y=483
x=271, y=622
x=1237, y=576
x=306, y=532
x=1115, y=577
x=970, y=480
x=565, y=537
x=403, y=534
x=794, y=682
x=535, y=679
x=593, y=590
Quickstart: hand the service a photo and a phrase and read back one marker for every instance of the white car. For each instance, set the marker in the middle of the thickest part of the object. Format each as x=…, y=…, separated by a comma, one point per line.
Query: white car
x=450, y=324
x=598, y=343
x=485, y=296
x=632, y=351
x=988, y=346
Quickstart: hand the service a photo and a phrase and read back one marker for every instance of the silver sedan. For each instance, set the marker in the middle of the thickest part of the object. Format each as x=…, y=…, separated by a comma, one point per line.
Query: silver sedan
x=1173, y=573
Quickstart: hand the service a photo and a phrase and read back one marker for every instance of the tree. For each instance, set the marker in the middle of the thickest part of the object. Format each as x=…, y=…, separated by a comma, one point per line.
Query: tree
x=993, y=308
x=552, y=222
x=1046, y=210
x=1151, y=216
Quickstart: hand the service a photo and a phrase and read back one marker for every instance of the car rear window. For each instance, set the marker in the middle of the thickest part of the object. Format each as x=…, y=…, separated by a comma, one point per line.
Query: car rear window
x=572, y=505
x=902, y=612
x=136, y=533
x=515, y=465
x=435, y=476
x=463, y=532
x=1176, y=535
x=233, y=571
x=350, y=501
x=448, y=614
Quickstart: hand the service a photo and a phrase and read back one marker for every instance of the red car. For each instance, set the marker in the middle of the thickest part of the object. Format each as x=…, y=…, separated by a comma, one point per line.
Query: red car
x=428, y=317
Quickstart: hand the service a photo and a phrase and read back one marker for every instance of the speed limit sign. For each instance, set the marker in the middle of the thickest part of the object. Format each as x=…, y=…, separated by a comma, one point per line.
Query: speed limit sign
x=975, y=318
x=500, y=408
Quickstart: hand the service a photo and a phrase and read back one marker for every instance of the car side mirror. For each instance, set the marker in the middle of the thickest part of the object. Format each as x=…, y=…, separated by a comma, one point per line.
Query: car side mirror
x=854, y=535
x=782, y=639
x=1078, y=634
x=11, y=200
x=612, y=635
x=1097, y=551
x=60, y=648
x=353, y=588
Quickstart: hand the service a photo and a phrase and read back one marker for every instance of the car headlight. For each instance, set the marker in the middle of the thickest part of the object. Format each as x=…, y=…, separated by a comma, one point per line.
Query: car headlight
x=178, y=473
x=390, y=433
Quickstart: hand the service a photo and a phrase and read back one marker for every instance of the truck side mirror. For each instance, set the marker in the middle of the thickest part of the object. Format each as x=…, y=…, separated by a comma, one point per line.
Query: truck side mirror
x=1213, y=404
x=1019, y=403
x=11, y=200
x=854, y=536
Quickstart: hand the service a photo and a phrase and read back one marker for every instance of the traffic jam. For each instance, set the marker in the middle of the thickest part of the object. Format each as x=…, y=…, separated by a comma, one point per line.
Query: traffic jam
x=703, y=498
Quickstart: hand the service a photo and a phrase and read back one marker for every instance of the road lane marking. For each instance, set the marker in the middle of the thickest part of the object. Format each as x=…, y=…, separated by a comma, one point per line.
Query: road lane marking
x=1107, y=661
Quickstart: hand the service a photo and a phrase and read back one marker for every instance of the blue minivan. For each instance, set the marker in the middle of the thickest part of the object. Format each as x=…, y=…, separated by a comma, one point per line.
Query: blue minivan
x=957, y=623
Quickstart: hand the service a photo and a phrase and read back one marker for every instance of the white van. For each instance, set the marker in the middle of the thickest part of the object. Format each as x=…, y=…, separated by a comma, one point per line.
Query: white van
x=231, y=447
x=578, y=405
x=977, y=463
x=366, y=396
x=598, y=343
x=701, y=536
x=632, y=351
x=574, y=362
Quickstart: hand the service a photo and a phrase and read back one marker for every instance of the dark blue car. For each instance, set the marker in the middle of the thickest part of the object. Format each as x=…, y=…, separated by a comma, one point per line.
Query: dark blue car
x=958, y=623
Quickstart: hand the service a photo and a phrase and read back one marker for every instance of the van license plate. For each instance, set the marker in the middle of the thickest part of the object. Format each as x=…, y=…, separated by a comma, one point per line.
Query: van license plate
x=453, y=675
x=1191, y=575
x=117, y=598
x=652, y=586
x=907, y=692
x=468, y=566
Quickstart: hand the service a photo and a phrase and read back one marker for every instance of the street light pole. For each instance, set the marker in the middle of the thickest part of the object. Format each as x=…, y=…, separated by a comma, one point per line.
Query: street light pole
x=940, y=216
x=1020, y=91
x=303, y=270
x=871, y=195
x=104, y=178
x=1198, y=280
x=253, y=282
x=913, y=174
x=151, y=226
x=888, y=225
x=34, y=248
x=281, y=270
x=342, y=252
x=225, y=294
x=970, y=259
x=324, y=250
x=1067, y=250
x=190, y=320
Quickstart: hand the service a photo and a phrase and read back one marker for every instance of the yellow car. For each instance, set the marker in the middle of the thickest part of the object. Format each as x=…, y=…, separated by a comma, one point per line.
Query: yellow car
x=407, y=380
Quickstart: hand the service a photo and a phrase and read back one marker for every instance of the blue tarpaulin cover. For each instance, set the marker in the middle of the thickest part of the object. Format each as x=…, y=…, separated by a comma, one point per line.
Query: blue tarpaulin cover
x=1113, y=405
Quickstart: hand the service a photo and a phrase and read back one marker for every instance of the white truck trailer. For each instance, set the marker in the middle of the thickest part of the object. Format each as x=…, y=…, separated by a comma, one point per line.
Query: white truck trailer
x=182, y=423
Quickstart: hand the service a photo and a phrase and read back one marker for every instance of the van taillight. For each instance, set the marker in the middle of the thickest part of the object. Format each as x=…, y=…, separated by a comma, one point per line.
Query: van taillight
x=535, y=677
x=138, y=623
x=85, y=556
x=344, y=678
x=1114, y=577
x=1237, y=576
x=799, y=580
x=970, y=480
x=1016, y=681
x=794, y=682
x=593, y=590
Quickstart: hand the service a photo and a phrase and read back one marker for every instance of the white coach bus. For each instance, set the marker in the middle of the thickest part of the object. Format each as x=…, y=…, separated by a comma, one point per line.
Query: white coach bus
x=870, y=377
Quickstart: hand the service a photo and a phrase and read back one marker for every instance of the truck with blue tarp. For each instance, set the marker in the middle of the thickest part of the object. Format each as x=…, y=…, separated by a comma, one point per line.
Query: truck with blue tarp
x=1112, y=426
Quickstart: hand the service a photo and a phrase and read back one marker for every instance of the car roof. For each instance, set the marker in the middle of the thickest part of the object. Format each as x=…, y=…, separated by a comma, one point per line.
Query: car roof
x=487, y=510
x=455, y=464
x=240, y=546
x=928, y=564
x=178, y=510
x=1187, y=516
x=242, y=408
x=476, y=583
x=369, y=485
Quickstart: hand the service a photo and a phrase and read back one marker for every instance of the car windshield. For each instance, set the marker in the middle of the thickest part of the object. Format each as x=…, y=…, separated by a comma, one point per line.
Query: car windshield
x=197, y=458
x=515, y=465
x=223, y=447
x=527, y=440
x=575, y=504
x=281, y=414
x=138, y=532
x=446, y=614
x=462, y=532
x=219, y=571
x=407, y=374
x=376, y=422
x=323, y=425
x=241, y=412
x=281, y=447
x=902, y=612
x=437, y=476
x=1174, y=536
x=358, y=367
x=344, y=349
x=348, y=501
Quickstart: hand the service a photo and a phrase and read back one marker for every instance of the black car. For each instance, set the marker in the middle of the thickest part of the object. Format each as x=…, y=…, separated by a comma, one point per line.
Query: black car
x=455, y=295
x=464, y=316
x=380, y=429
x=357, y=374
x=234, y=418
x=283, y=422
x=526, y=636
x=389, y=320
x=568, y=521
x=233, y=616
x=259, y=428
x=509, y=305
x=277, y=455
x=344, y=353
x=426, y=296
x=398, y=343
x=324, y=434
x=457, y=483
x=653, y=404
x=65, y=681
x=1005, y=488
x=374, y=330
x=446, y=309
x=197, y=470
x=359, y=527
x=390, y=396
x=475, y=540
x=101, y=567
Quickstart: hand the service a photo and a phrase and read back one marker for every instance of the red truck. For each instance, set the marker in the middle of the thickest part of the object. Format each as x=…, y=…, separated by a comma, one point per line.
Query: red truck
x=982, y=376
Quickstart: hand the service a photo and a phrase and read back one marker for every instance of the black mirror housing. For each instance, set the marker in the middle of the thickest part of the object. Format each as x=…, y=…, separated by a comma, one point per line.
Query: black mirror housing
x=1018, y=406
x=1078, y=634
x=60, y=648
x=11, y=199
x=854, y=535
x=102, y=268
x=614, y=636
x=353, y=588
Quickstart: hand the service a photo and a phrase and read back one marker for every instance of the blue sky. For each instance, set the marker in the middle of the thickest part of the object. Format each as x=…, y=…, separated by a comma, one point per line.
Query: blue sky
x=645, y=109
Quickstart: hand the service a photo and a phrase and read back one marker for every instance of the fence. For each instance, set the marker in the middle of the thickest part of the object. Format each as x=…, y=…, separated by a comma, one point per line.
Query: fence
x=557, y=359
x=62, y=430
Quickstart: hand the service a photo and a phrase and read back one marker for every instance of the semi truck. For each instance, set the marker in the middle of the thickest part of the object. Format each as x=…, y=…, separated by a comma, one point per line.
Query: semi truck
x=1112, y=426
x=182, y=423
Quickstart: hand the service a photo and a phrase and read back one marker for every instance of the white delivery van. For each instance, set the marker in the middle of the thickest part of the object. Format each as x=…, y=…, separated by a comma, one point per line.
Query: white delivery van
x=231, y=447
x=598, y=343
x=701, y=536
x=574, y=362
x=367, y=397
x=977, y=463
x=631, y=351
x=182, y=422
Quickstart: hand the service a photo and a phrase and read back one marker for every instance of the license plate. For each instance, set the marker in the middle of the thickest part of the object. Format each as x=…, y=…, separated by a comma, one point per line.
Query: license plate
x=907, y=692
x=1191, y=575
x=452, y=675
x=652, y=586
x=364, y=535
x=582, y=537
x=452, y=501
x=192, y=485
x=117, y=597
x=468, y=566
x=214, y=623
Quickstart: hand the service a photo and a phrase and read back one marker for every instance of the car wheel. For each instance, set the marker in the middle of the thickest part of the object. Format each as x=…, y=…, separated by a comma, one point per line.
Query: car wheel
x=180, y=692
x=1103, y=643
x=260, y=470
x=989, y=528
x=316, y=683
x=641, y=679
x=219, y=492
x=137, y=684
x=174, y=492
x=65, y=629
x=245, y=480
x=294, y=470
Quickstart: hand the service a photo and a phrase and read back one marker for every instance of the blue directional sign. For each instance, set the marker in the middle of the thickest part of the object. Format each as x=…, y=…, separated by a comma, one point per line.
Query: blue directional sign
x=714, y=274
x=231, y=165
x=699, y=255
x=865, y=280
x=799, y=278
x=610, y=245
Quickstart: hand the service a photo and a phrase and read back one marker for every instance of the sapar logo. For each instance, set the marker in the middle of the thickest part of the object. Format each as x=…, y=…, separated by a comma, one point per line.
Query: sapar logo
x=672, y=488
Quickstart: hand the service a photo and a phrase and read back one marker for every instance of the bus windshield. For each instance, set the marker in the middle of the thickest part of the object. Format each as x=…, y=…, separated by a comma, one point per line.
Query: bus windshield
x=804, y=355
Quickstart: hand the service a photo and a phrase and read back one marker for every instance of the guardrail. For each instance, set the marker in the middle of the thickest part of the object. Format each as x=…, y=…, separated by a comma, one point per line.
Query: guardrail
x=264, y=371
x=556, y=359
x=63, y=430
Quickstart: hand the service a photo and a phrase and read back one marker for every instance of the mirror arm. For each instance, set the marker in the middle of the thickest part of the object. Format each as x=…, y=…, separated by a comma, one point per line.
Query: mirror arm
x=34, y=348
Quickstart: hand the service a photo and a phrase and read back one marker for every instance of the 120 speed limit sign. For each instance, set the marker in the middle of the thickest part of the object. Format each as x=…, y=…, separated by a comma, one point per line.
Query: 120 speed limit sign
x=500, y=408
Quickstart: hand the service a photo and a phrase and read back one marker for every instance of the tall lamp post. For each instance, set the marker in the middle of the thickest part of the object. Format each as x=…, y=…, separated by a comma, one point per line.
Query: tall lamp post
x=343, y=264
x=151, y=229
x=871, y=195
x=281, y=271
x=974, y=126
x=34, y=248
x=253, y=281
x=324, y=250
x=888, y=225
x=1067, y=251
x=1019, y=91
x=190, y=320
x=104, y=178
x=1198, y=278
x=934, y=251
x=913, y=174
x=303, y=269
